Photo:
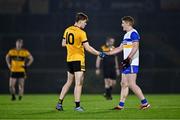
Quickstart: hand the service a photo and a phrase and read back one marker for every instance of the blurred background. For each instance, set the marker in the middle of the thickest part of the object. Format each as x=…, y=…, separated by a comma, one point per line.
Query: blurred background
x=40, y=23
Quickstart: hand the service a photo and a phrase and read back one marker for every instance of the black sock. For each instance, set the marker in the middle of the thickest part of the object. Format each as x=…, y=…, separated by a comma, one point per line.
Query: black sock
x=77, y=104
x=20, y=97
x=60, y=101
x=13, y=97
x=110, y=91
x=107, y=91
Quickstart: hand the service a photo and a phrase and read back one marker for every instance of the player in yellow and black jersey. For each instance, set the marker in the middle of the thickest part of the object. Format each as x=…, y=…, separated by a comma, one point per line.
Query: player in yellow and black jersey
x=75, y=40
x=17, y=60
x=110, y=67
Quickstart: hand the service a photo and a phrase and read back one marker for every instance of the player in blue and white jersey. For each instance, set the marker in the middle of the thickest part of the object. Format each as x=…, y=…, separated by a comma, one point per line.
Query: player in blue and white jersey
x=130, y=63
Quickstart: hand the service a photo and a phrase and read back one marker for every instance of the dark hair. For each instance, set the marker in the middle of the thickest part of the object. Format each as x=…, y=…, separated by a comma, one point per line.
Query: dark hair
x=81, y=16
x=128, y=19
x=19, y=40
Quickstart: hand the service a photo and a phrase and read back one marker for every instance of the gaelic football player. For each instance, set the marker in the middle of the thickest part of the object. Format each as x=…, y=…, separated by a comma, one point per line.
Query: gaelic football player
x=130, y=64
x=17, y=60
x=110, y=68
x=75, y=40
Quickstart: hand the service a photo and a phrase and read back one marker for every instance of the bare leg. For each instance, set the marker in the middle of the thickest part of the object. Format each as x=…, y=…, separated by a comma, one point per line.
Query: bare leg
x=21, y=87
x=70, y=78
x=112, y=82
x=137, y=91
x=106, y=82
x=124, y=88
x=12, y=85
x=134, y=87
x=79, y=77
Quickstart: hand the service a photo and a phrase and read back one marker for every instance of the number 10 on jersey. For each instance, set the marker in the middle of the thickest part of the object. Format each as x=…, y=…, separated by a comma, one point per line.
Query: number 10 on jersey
x=69, y=38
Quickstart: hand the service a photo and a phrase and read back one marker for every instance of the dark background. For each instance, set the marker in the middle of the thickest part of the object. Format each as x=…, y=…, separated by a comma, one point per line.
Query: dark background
x=41, y=24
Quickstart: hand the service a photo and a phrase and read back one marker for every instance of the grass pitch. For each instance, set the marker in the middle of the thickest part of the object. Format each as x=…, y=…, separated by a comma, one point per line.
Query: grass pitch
x=96, y=107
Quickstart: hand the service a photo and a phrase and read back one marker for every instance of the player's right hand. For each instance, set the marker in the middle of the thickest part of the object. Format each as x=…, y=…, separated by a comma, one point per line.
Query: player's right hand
x=102, y=54
x=98, y=71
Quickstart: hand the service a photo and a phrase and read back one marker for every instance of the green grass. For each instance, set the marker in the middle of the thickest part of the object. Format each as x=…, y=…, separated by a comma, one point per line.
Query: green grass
x=96, y=107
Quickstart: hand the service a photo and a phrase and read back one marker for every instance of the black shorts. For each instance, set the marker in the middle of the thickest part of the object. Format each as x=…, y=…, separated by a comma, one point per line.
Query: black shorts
x=75, y=66
x=18, y=75
x=111, y=74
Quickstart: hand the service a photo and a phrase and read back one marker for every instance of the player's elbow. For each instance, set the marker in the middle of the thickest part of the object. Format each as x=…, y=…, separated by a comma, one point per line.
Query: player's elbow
x=63, y=45
x=87, y=47
x=32, y=59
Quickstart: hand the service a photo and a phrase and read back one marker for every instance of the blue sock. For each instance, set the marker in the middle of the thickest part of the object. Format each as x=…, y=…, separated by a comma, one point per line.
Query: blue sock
x=144, y=101
x=121, y=104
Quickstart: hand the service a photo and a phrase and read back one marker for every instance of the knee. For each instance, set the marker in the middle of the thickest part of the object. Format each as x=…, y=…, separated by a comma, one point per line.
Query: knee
x=11, y=85
x=21, y=87
x=133, y=86
x=68, y=83
x=124, y=84
x=79, y=83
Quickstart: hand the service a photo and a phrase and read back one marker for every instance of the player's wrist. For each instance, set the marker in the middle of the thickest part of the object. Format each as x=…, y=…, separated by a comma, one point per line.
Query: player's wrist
x=129, y=58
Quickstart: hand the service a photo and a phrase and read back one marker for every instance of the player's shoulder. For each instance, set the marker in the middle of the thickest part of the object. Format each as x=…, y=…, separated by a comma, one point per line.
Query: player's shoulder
x=12, y=50
x=134, y=31
x=25, y=50
x=104, y=48
x=75, y=28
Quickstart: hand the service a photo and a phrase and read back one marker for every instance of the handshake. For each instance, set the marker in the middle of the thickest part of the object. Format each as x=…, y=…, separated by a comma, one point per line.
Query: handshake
x=123, y=65
x=102, y=55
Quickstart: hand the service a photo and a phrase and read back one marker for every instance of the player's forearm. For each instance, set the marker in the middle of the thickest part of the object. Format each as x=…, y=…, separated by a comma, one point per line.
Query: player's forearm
x=8, y=60
x=116, y=50
x=116, y=63
x=98, y=62
x=134, y=50
x=31, y=59
x=90, y=49
x=63, y=42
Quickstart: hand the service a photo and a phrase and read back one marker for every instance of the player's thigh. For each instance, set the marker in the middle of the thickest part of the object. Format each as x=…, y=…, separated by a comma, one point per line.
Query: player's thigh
x=79, y=77
x=12, y=81
x=21, y=82
x=131, y=79
x=124, y=80
x=106, y=80
x=113, y=82
x=70, y=77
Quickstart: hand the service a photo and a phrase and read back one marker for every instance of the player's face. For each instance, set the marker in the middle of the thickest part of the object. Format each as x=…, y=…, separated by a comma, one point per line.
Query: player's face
x=19, y=44
x=125, y=25
x=83, y=23
x=111, y=42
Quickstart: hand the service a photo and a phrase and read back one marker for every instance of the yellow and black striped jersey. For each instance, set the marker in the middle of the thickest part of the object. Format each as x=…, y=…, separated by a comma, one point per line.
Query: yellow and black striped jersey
x=17, y=59
x=109, y=61
x=75, y=37
x=105, y=48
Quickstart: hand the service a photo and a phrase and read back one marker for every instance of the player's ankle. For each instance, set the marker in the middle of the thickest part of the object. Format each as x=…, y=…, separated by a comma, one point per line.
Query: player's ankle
x=77, y=104
x=121, y=104
x=144, y=101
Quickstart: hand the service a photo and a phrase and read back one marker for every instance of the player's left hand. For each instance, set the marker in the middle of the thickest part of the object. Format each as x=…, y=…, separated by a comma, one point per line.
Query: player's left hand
x=126, y=63
x=117, y=72
x=102, y=54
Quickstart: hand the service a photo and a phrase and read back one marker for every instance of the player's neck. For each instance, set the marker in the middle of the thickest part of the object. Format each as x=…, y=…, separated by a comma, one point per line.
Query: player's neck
x=77, y=25
x=129, y=29
x=18, y=48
